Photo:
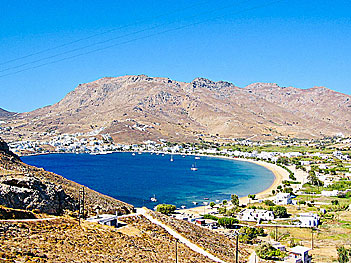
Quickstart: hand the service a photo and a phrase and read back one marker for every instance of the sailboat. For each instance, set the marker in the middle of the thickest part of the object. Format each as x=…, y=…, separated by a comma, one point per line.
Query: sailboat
x=193, y=167
x=153, y=199
x=171, y=158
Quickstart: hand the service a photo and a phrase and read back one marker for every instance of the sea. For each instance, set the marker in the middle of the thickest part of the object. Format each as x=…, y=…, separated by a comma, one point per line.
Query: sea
x=135, y=178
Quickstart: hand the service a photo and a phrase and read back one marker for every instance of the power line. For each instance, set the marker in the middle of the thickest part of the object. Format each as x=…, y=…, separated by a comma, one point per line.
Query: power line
x=101, y=33
x=139, y=38
x=105, y=41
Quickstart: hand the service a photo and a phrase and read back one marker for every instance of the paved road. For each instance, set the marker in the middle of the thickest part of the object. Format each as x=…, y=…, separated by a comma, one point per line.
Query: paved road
x=253, y=258
x=182, y=239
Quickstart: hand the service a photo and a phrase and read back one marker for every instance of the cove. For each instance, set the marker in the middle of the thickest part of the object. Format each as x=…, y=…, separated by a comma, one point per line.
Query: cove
x=136, y=178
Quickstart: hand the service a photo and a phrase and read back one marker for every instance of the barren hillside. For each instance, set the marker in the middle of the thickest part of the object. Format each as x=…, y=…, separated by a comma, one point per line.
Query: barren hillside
x=136, y=108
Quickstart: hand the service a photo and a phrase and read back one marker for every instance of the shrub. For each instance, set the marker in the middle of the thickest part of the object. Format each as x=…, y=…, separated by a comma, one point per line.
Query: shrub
x=222, y=210
x=267, y=251
x=269, y=203
x=212, y=217
x=249, y=234
x=235, y=199
x=335, y=202
x=166, y=208
x=227, y=222
x=279, y=211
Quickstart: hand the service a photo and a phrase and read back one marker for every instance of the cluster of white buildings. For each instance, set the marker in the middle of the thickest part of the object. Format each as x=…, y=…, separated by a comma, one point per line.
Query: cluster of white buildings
x=255, y=215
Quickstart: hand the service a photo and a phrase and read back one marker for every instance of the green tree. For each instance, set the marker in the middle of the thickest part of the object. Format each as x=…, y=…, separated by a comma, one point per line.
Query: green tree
x=227, y=222
x=249, y=234
x=224, y=202
x=252, y=197
x=313, y=179
x=222, y=210
x=335, y=202
x=269, y=202
x=343, y=254
x=279, y=211
x=212, y=204
x=166, y=208
x=235, y=199
x=267, y=251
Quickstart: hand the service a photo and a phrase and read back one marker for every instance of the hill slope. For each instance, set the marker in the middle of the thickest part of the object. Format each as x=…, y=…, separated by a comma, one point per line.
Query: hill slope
x=135, y=108
x=27, y=187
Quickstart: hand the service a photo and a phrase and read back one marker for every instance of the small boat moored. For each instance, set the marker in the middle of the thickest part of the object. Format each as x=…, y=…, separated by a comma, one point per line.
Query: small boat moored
x=153, y=199
x=193, y=167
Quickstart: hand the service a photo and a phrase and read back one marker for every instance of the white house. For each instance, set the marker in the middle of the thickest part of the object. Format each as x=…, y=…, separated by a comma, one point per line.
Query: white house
x=254, y=215
x=300, y=253
x=308, y=220
x=329, y=193
x=323, y=166
x=105, y=219
x=283, y=199
x=305, y=162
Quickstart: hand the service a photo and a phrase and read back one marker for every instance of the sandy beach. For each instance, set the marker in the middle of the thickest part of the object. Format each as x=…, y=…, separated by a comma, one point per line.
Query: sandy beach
x=280, y=174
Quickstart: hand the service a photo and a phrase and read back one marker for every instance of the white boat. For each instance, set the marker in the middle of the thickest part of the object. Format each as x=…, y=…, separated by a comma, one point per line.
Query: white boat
x=193, y=168
x=195, y=203
x=139, y=152
x=133, y=154
x=197, y=158
x=153, y=199
x=171, y=158
x=183, y=206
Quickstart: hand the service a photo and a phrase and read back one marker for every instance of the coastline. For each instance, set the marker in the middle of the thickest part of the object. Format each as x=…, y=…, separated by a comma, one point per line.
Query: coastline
x=279, y=173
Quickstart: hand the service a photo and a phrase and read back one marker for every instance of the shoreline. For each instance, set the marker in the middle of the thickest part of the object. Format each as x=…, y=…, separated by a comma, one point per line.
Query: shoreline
x=279, y=173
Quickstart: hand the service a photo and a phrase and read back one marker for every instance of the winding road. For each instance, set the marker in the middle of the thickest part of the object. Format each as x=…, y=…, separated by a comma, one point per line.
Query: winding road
x=180, y=238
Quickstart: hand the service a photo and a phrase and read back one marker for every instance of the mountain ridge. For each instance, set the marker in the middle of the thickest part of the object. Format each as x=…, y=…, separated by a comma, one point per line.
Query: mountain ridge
x=180, y=111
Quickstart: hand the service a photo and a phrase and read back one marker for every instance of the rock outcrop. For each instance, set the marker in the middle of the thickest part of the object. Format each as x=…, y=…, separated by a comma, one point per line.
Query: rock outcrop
x=26, y=187
x=30, y=193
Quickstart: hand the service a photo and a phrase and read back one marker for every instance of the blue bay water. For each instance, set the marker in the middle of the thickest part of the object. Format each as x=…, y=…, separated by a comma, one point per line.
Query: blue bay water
x=134, y=179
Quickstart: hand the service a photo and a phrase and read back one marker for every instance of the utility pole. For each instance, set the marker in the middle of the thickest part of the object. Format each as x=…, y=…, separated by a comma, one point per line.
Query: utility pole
x=237, y=248
x=276, y=233
x=312, y=236
x=81, y=203
x=176, y=250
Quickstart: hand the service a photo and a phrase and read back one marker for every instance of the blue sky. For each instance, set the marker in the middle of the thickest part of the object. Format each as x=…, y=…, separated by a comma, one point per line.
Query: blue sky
x=291, y=43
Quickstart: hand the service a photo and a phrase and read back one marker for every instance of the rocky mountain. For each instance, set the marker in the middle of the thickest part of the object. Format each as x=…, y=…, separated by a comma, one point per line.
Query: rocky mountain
x=5, y=113
x=136, y=108
x=26, y=187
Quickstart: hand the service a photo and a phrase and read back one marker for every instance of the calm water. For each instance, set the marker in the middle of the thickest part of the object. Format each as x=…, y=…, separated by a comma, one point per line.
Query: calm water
x=134, y=179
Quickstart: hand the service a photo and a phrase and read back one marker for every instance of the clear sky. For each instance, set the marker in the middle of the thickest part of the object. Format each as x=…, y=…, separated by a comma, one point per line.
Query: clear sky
x=291, y=43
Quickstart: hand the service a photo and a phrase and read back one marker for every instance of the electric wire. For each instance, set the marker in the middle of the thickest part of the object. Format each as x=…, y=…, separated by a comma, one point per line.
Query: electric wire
x=139, y=38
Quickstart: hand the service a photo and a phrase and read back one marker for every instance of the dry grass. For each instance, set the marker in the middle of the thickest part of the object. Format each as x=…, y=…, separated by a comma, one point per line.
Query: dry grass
x=63, y=240
x=213, y=242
